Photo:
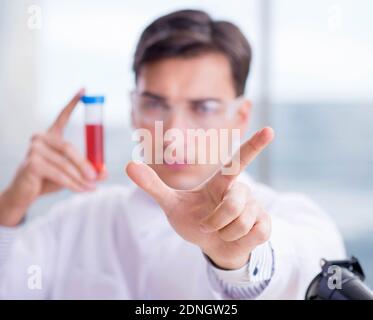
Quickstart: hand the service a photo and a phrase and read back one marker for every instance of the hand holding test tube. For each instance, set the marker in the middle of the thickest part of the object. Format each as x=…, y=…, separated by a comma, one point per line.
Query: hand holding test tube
x=52, y=164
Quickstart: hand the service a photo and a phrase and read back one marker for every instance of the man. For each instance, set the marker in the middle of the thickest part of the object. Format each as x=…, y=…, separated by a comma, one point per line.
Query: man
x=189, y=231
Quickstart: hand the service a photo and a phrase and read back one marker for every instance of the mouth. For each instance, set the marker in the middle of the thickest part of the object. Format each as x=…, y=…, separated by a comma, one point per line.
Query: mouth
x=176, y=166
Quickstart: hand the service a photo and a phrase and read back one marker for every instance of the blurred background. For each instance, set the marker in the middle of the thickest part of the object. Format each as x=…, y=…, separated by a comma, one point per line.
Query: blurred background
x=311, y=80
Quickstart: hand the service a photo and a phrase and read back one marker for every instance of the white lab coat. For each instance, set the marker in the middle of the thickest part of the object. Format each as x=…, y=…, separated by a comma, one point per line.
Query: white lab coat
x=117, y=243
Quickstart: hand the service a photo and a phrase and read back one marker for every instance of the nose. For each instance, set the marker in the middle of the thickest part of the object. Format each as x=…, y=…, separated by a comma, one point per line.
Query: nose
x=177, y=120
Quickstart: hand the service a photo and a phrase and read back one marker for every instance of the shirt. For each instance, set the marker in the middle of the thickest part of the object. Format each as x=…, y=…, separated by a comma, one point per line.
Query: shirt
x=116, y=243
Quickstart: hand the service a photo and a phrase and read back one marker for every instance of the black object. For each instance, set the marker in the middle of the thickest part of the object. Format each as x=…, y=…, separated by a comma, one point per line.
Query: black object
x=339, y=280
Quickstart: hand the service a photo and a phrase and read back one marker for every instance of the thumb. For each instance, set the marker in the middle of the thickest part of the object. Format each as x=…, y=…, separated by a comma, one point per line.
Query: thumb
x=148, y=180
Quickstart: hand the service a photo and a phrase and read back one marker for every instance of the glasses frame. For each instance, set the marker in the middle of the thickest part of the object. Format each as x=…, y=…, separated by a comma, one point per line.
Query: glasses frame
x=230, y=110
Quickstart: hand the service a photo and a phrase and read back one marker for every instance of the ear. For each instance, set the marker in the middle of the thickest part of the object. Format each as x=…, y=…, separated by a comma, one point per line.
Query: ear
x=243, y=116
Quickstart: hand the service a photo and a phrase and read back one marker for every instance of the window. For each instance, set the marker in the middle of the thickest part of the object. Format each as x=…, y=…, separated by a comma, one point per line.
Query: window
x=322, y=110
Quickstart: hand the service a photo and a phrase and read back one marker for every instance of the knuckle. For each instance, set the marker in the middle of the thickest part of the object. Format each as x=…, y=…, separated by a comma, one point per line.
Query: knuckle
x=67, y=148
x=33, y=163
x=37, y=136
x=32, y=152
x=243, y=224
x=262, y=232
x=62, y=178
x=65, y=166
x=35, y=146
x=231, y=207
x=262, y=236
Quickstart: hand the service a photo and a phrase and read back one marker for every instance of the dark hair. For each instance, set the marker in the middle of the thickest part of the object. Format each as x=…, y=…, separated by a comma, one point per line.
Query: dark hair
x=192, y=32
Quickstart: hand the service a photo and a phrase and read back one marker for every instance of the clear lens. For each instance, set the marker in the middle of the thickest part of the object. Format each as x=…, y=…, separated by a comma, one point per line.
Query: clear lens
x=204, y=114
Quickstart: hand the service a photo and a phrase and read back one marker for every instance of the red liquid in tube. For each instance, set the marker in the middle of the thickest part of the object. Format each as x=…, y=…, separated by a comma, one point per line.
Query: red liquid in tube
x=95, y=146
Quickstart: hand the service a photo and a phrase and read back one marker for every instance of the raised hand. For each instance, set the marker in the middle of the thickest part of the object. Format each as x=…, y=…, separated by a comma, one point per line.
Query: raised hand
x=50, y=165
x=220, y=215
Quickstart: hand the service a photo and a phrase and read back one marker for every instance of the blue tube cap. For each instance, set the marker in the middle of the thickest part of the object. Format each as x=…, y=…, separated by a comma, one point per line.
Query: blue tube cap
x=93, y=99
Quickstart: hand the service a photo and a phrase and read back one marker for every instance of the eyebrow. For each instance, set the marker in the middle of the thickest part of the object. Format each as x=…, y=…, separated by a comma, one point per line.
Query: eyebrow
x=159, y=97
x=152, y=95
x=205, y=100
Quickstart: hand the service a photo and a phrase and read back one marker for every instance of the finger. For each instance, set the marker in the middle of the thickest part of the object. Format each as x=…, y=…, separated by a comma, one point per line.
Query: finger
x=62, y=119
x=240, y=226
x=228, y=210
x=103, y=175
x=148, y=180
x=51, y=173
x=254, y=146
x=259, y=234
x=249, y=150
x=69, y=151
x=62, y=163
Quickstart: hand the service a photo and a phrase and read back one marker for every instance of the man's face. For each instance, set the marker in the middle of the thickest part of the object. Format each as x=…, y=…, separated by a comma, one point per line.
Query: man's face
x=189, y=93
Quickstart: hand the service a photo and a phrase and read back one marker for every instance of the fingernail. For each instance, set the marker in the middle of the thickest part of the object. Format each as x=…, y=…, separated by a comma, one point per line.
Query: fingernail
x=81, y=92
x=204, y=229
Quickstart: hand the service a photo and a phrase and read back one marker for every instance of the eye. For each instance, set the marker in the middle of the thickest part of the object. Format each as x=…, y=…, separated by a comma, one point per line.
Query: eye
x=150, y=104
x=207, y=107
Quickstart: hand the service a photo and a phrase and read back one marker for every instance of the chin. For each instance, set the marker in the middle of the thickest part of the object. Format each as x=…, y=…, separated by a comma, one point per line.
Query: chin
x=179, y=180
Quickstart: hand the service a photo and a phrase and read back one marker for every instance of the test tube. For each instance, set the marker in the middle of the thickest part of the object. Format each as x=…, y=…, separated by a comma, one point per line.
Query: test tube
x=94, y=130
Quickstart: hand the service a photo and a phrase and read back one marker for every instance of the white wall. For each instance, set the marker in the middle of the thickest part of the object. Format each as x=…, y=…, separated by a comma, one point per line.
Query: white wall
x=19, y=83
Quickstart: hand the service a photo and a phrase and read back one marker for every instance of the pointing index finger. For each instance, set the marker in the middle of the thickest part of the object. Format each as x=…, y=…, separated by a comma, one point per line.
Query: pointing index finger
x=64, y=116
x=248, y=151
x=251, y=148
